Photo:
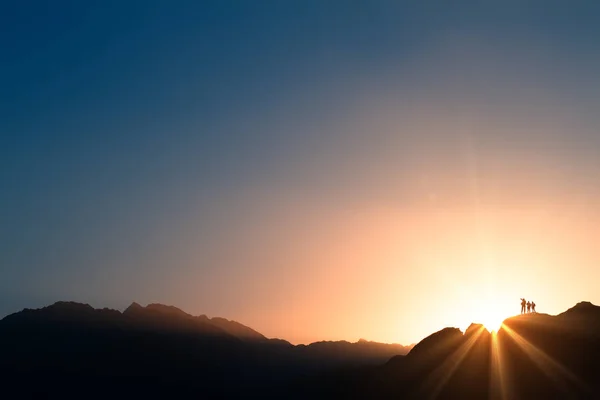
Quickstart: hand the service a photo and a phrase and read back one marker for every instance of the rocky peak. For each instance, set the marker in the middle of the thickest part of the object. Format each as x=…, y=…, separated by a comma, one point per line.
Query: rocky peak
x=475, y=328
x=582, y=308
x=133, y=308
x=437, y=342
x=70, y=306
x=164, y=309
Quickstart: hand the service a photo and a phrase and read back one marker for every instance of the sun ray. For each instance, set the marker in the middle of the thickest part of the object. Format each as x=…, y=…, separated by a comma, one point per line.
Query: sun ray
x=553, y=369
x=439, y=377
x=499, y=386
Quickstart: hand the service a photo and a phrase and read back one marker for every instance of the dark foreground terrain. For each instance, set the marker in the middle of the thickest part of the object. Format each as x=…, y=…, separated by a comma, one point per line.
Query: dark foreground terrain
x=71, y=350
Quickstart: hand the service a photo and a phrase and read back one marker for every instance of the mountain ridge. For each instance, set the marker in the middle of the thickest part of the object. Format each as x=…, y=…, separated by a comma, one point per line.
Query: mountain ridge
x=221, y=325
x=159, y=351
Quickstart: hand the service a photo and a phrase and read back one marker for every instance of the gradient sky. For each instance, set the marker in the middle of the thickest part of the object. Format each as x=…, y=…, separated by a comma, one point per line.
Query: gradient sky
x=313, y=169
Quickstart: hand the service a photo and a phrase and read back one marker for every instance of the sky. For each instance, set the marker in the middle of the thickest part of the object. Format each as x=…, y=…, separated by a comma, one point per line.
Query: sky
x=315, y=170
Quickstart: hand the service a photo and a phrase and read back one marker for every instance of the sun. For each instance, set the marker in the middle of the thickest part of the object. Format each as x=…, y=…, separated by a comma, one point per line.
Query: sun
x=489, y=310
x=492, y=321
x=491, y=314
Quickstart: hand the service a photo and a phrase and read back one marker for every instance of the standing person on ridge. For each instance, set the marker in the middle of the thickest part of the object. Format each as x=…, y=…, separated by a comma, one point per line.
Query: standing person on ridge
x=528, y=306
x=533, y=307
x=523, y=303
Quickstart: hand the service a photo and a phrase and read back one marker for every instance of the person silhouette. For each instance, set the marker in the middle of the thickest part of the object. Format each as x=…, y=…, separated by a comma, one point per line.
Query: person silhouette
x=533, y=307
x=523, y=303
x=528, y=307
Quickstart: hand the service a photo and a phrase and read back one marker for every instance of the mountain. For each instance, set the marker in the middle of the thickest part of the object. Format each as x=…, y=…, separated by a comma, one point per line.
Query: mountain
x=159, y=351
x=358, y=352
x=533, y=356
x=159, y=317
x=153, y=317
x=236, y=329
x=71, y=350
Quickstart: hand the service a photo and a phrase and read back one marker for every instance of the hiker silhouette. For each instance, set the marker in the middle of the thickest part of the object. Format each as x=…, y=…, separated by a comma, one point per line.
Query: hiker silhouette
x=523, y=304
x=528, y=306
x=533, y=307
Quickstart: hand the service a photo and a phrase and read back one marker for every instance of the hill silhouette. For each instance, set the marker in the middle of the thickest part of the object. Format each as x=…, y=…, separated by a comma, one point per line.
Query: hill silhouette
x=67, y=349
x=532, y=356
x=71, y=350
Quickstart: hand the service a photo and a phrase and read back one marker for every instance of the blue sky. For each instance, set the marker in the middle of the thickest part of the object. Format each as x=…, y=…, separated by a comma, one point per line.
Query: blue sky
x=148, y=148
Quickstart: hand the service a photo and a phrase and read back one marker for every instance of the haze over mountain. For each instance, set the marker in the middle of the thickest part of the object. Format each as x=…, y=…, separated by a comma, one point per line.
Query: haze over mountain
x=155, y=351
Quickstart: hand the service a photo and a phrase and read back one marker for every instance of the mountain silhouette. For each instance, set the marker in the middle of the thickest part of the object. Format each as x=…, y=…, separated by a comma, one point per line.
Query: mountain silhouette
x=532, y=356
x=71, y=350
x=236, y=329
x=159, y=351
x=159, y=317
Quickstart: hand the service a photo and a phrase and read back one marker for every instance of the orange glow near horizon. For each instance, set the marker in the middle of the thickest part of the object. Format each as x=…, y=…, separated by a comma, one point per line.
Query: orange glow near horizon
x=392, y=249
x=398, y=276
x=492, y=318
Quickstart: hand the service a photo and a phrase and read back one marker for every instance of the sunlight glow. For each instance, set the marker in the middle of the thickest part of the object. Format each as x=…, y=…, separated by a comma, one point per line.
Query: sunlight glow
x=553, y=369
x=490, y=311
x=493, y=320
x=438, y=379
x=499, y=384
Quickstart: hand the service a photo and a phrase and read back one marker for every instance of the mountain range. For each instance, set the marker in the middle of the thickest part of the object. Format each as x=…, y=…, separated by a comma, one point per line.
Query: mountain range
x=71, y=350
x=142, y=346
